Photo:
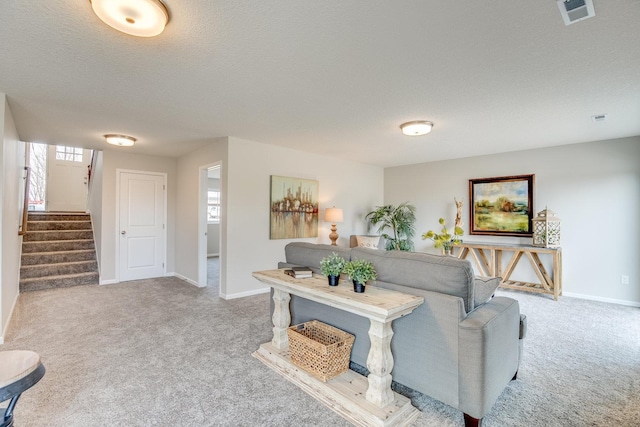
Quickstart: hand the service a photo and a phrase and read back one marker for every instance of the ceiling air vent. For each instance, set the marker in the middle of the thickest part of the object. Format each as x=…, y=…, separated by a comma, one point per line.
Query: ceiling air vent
x=573, y=11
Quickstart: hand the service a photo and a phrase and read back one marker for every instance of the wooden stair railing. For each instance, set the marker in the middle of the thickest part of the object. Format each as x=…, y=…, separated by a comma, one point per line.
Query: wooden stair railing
x=25, y=207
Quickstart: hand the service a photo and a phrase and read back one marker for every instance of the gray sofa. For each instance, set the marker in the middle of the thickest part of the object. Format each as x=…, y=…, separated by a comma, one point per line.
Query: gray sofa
x=461, y=347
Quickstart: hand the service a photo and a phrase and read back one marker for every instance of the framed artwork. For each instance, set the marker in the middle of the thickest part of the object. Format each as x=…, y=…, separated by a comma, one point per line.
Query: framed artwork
x=501, y=206
x=294, y=208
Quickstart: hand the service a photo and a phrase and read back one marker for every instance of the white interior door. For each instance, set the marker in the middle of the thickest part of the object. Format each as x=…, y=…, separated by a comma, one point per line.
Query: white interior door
x=141, y=225
x=67, y=178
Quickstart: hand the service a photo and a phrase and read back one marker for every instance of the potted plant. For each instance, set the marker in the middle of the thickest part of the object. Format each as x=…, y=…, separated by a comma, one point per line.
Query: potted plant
x=445, y=240
x=331, y=266
x=400, y=220
x=360, y=271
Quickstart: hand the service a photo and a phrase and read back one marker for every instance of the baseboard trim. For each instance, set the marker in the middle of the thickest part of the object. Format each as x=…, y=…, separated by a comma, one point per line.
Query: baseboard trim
x=245, y=294
x=602, y=299
x=186, y=279
x=108, y=282
x=6, y=327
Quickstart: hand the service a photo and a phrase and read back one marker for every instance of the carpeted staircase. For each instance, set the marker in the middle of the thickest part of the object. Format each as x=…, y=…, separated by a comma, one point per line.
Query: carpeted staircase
x=58, y=251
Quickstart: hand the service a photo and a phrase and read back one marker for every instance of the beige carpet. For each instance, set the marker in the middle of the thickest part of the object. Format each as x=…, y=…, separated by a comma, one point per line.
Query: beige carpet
x=162, y=352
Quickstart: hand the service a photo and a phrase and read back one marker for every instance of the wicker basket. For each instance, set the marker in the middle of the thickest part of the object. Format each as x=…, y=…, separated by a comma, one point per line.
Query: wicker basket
x=320, y=349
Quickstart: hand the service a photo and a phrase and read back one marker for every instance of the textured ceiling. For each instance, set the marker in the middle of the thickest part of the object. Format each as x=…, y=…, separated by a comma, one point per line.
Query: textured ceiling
x=331, y=77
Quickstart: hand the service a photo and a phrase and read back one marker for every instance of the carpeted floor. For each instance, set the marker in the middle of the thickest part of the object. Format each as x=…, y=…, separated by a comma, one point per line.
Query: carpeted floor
x=163, y=352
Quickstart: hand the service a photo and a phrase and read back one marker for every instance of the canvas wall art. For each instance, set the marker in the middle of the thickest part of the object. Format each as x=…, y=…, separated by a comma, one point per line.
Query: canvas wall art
x=501, y=206
x=294, y=208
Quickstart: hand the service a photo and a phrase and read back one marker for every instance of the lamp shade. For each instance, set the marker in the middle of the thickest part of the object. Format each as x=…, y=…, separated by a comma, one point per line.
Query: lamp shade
x=142, y=18
x=333, y=215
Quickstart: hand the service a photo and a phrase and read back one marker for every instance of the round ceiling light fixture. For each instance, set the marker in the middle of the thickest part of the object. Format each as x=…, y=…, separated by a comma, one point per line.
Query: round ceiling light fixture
x=416, y=127
x=120, y=140
x=142, y=18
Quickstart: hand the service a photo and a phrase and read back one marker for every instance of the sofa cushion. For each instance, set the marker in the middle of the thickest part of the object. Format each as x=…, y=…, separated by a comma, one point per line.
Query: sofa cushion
x=379, y=241
x=484, y=289
x=435, y=273
x=368, y=241
x=310, y=254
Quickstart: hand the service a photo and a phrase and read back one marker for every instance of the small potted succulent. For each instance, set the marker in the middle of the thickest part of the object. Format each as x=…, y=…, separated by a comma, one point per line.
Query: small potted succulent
x=332, y=266
x=360, y=271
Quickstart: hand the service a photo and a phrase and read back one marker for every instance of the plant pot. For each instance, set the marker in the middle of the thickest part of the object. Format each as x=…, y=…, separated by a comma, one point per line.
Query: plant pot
x=358, y=287
x=333, y=280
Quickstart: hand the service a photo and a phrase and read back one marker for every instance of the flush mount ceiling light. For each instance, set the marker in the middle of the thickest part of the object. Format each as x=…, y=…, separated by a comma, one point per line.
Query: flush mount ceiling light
x=142, y=18
x=416, y=128
x=120, y=140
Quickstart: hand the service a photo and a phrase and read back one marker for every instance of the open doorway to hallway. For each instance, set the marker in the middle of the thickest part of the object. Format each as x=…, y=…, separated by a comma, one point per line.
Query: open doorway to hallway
x=59, y=177
x=211, y=191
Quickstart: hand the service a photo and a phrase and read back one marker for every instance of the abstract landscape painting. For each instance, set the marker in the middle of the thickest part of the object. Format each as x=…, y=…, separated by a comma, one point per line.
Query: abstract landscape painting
x=502, y=205
x=294, y=208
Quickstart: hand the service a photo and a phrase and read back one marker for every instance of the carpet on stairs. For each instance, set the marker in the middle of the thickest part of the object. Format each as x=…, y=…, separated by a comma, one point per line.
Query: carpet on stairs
x=58, y=251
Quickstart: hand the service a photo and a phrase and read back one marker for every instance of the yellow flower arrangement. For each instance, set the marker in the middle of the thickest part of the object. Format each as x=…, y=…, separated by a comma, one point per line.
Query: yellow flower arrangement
x=445, y=240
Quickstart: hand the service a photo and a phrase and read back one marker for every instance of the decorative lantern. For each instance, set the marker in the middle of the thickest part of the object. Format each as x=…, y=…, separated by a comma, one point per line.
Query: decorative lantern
x=546, y=229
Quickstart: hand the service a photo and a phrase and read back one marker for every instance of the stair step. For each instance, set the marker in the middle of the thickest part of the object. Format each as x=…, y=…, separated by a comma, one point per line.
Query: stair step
x=60, y=281
x=58, y=250
x=47, y=270
x=35, y=258
x=34, y=236
x=58, y=216
x=56, y=245
x=58, y=225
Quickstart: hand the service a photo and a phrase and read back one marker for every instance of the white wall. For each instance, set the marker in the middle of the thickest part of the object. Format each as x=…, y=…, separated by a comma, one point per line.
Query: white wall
x=119, y=158
x=593, y=187
x=12, y=162
x=354, y=187
x=213, y=239
x=188, y=199
x=95, y=202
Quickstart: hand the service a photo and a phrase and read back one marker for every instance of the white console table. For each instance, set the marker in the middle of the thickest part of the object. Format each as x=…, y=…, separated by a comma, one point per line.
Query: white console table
x=363, y=401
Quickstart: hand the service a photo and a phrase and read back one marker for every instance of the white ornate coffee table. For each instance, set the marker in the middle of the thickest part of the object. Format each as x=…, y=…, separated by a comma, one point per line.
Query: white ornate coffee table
x=363, y=401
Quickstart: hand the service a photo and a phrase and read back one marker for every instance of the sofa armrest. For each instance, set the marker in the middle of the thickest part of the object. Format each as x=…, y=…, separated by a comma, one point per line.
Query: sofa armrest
x=489, y=354
x=523, y=326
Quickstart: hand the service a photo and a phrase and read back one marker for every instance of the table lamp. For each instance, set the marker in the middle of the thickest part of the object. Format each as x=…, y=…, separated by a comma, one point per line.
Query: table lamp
x=333, y=215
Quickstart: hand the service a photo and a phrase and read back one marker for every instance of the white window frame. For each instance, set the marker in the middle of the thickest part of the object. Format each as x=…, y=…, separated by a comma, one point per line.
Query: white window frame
x=69, y=154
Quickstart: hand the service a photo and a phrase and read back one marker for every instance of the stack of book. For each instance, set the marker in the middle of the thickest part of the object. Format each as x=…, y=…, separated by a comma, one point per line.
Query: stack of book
x=299, y=272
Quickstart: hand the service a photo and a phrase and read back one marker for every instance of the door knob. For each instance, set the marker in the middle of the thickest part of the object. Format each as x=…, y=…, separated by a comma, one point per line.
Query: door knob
x=123, y=232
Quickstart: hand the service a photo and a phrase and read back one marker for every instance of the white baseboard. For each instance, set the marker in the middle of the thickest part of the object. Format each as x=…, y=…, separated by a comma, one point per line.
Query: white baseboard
x=6, y=327
x=212, y=255
x=186, y=279
x=108, y=282
x=602, y=299
x=245, y=294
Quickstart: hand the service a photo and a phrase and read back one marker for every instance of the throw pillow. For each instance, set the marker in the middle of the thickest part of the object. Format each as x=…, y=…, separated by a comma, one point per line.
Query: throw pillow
x=370, y=242
x=484, y=289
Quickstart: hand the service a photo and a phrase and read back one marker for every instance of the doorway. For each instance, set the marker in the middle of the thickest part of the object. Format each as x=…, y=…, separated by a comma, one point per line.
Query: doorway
x=141, y=207
x=210, y=218
x=58, y=178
